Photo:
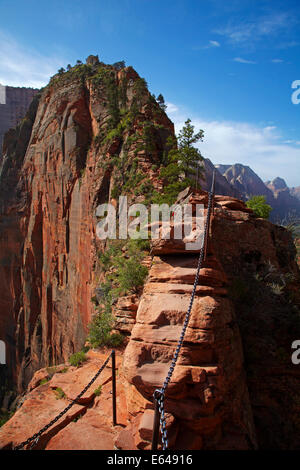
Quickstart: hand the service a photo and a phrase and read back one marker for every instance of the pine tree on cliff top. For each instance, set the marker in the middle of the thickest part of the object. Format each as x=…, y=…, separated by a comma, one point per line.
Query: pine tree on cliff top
x=161, y=101
x=188, y=155
x=181, y=162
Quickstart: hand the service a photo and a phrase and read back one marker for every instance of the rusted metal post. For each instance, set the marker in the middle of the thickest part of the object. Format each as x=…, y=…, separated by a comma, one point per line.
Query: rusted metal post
x=155, y=432
x=114, y=389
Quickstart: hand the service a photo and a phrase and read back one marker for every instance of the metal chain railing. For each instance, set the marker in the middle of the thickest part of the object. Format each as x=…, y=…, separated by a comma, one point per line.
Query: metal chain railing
x=159, y=394
x=35, y=438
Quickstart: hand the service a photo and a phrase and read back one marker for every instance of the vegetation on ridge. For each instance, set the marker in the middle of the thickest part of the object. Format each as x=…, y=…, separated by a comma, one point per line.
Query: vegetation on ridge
x=77, y=358
x=59, y=393
x=180, y=163
x=259, y=206
x=124, y=274
x=134, y=128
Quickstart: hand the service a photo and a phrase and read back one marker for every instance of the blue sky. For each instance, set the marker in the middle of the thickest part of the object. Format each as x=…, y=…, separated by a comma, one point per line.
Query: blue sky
x=228, y=65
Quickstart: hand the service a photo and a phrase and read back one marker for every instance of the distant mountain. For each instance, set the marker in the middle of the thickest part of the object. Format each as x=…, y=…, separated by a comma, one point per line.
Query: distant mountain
x=286, y=203
x=277, y=184
x=295, y=192
x=221, y=184
x=243, y=179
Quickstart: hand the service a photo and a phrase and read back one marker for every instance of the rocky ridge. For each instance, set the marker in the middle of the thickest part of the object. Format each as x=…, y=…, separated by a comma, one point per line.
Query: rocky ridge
x=96, y=129
x=222, y=395
x=58, y=166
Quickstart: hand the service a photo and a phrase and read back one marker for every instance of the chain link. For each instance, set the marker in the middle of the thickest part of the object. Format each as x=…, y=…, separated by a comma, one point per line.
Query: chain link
x=35, y=438
x=159, y=394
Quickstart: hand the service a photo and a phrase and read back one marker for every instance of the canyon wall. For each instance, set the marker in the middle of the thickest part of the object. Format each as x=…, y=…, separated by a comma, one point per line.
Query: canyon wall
x=56, y=169
x=234, y=386
x=93, y=131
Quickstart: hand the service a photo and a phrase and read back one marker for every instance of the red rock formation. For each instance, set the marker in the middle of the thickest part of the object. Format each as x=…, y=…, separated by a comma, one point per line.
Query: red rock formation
x=259, y=259
x=234, y=371
x=207, y=399
x=125, y=313
x=11, y=238
x=234, y=385
x=48, y=217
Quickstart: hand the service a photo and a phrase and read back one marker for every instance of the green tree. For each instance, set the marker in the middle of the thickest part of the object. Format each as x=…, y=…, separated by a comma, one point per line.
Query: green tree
x=259, y=206
x=131, y=275
x=180, y=162
x=119, y=65
x=100, y=328
x=161, y=101
x=189, y=156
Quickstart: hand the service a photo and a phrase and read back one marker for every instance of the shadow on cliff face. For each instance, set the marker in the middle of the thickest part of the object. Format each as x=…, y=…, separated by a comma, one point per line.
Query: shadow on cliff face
x=267, y=311
x=13, y=197
x=89, y=135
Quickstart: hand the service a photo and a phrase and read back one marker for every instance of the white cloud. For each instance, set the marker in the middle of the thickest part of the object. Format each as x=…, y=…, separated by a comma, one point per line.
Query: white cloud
x=243, y=61
x=214, y=43
x=228, y=142
x=211, y=44
x=245, y=32
x=172, y=108
x=269, y=128
x=277, y=61
x=20, y=66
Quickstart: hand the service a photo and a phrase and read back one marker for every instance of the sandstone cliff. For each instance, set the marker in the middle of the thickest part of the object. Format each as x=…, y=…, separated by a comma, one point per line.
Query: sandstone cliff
x=220, y=397
x=286, y=200
x=234, y=386
x=96, y=130
x=57, y=167
x=222, y=186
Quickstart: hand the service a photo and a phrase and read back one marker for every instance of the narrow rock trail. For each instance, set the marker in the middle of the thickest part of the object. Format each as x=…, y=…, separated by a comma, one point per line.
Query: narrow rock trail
x=87, y=425
x=207, y=401
x=208, y=386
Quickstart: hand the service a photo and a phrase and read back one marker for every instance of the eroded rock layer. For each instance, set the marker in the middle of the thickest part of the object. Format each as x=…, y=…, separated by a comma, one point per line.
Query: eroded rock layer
x=207, y=401
x=58, y=166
